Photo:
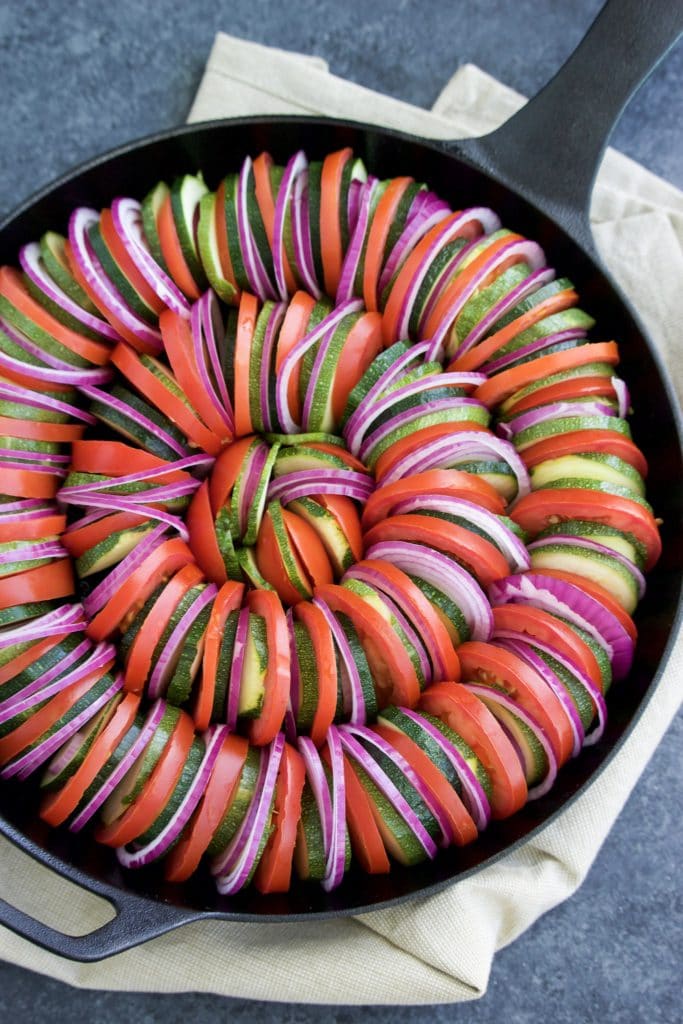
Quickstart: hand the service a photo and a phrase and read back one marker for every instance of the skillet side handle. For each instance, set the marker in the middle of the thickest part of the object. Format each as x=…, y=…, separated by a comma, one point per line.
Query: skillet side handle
x=551, y=149
x=136, y=921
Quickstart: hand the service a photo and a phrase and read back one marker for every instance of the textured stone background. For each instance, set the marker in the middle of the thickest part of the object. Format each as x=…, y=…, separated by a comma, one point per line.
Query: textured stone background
x=78, y=78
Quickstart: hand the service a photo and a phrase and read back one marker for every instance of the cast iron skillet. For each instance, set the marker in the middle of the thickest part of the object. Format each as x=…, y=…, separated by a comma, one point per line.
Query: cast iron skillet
x=537, y=173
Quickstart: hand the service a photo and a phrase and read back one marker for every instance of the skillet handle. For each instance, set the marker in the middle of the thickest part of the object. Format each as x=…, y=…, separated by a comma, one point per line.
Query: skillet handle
x=136, y=921
x=551, y=149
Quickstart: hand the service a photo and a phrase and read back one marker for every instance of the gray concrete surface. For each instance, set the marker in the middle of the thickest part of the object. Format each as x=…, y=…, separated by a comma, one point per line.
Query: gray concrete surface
x=77, y=78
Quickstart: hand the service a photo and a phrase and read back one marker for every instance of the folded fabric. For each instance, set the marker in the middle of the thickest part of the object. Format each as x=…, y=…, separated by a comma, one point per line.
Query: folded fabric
x=437, y=949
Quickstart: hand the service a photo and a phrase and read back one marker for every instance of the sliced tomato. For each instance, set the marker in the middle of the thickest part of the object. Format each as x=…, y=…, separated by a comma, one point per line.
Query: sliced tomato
x=264, y=729
x=25, y=658
x=416, y=440
x=27, y=483
x=125, y=263
x=49, y=525
x=164, y=560
x=539, y=509
x=57, y=806
x=462, y=827
x=491, y=665
x=155, y=793
x=222, y=239
x=537, y=624
x=326, y=664
x=265, y=199
x=272, y=566
x=184, y=858
x=309, y=548
x=576, y=442
x=451, y=482
x=562, y=391
x=246, y=323
x=345, y=512
x=225, y=471
x=331, y=249
x=203, y=541
x=423, y=616
x=471, y=719
x=340, y=453
x=274, y=872
x=149, y=385
x=382, y=219
x=139, y=660
x=392, y=670
x=366, y=840
x=172, y=251
x=488, y=347
x=78, y=541
x=35, y=430
x=480, y=556
x=294, y=327
x=115, y=458
x=44, y=583
x=13, y=289
x=363, y=343
x=42, y=720
x=593, y=589
x=502, y=385
x=228, y=599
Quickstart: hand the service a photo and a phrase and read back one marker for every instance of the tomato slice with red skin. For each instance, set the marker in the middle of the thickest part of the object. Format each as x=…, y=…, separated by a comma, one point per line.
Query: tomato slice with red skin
x=502, y=385
x=471, y=719
x=203, y=541
x=463, y=829
x=380, y=227
x=345, y=512
x=25, y=658
x=120, y=254
x=172, y=251
x=331, y=249
x=272, y=566
x=25, y=483
x=44, y=583
x=42, y=720
x=294, y=327
x=163, y=561
x=155, y=793
x=451, y=482
x=562, y=391
x=488, y=664
x=341, y=453
x=35, y=430
x=578, y=442
x=33, y=529
x=593, y=589
x=225, y=472
x=363, y=343
x=184, y=858
x=538, y=625
x=246, y=324
x=315, y=622
x=309, y=548
x=265, y=200
x=421, y=613
x=392, y=670
x=274, y=872
x=115, y=458
x=77, y=542
x=417, y=440
x=264, y=729
x=366, y=840
x=539, y=509
x=478, y=555
x=141, y=653
x=228, y=599
x=57, y=807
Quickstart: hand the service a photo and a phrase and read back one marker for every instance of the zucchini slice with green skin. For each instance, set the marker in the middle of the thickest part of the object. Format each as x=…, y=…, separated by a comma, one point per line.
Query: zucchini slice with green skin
x=151, y=206
x=186, y=194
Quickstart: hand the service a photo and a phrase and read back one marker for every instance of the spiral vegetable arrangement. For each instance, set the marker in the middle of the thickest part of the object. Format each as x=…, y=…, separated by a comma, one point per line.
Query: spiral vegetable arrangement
x=321, y=528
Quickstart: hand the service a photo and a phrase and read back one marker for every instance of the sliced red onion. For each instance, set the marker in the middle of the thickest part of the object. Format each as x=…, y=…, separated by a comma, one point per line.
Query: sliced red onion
x=553, y=411
x=213, y=329
x=362, y=734
x=460, y=407
x=354, y=698
x=530, y=252
x=297, y=165
x=572, y=603
x=525, y=651
x=474, y=797
x=267, y=361
x=60, y=371
x=32, y=759
x=235, y=681
x=301, y=233
x=317, y=779
x=172, y=831
x=443, y=573
x=48, y=677
x=32, y=551
x=127, y=218
x=33, y=267
x=104, y=398
x=20, y=455
x=39, y=506
x=356, y=246
x=41, y=470
x=66, y=619
x=318, y=363
x=174, y=644
x=328, y=323
x=305, y=482
x=412, y=355
x=134, y=752
x=253, y=473
x=353, y=202
x=534, y=348
x=110, y=585
x=231, y=880
x=180, y=466
x=81, y=220
x=456, y=261
x=623, y=397
x=257, y=274
x=424, y=215
x=204, y=348
x=114, y=503
x=602, y=549
x=41, y=690
x=489, y=696
x=30, y=515
x=336, y=860
x=535, y=280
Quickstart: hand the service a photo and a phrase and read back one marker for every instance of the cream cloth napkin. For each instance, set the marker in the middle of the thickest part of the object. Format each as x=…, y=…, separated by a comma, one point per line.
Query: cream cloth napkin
x=438, y=949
